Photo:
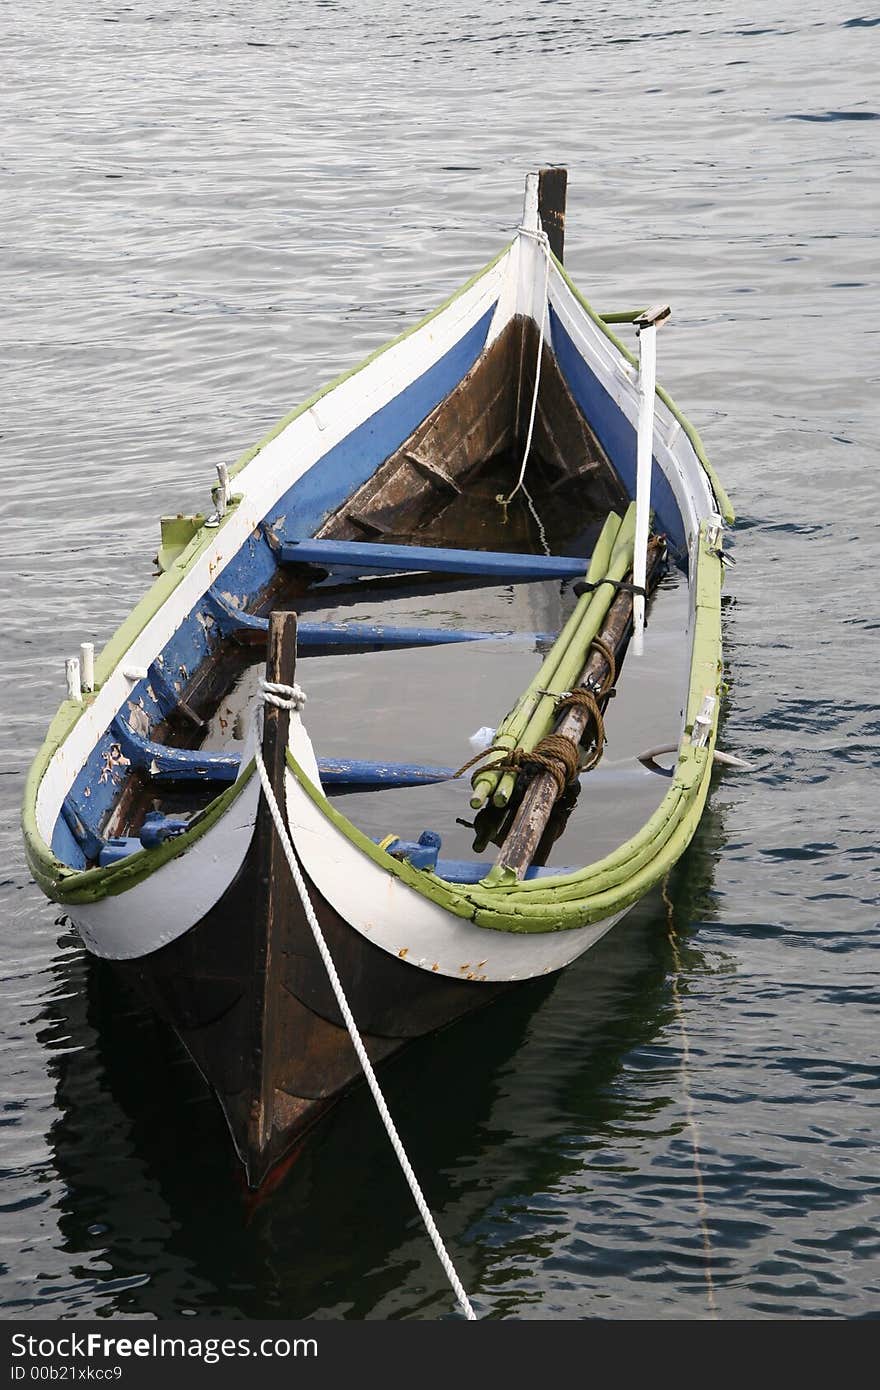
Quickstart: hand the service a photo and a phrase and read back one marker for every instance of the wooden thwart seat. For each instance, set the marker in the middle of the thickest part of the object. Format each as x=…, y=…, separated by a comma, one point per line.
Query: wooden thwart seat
x=348, y=636
x=374, y=558
x=165, y=764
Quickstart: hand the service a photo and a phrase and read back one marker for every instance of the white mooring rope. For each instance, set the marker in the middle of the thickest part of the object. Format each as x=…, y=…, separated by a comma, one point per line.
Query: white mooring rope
x=544, y=243
x=292, y=697
x=283, y=696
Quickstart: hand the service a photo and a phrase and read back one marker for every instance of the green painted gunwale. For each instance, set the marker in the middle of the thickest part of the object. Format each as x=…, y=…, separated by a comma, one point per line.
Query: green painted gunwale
x=59, y=881
x=566, y=901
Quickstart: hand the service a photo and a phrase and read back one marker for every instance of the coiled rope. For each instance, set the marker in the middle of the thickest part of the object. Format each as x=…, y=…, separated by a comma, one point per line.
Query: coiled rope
x=291, y=697
x=282, y=696
x=558, y=754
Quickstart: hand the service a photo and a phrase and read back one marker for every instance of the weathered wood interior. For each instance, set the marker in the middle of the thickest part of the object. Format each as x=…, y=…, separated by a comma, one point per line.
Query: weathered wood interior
x=440, y=487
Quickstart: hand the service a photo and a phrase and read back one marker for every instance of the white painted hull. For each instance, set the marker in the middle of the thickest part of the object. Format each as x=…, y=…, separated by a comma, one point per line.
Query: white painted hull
x=384, y=910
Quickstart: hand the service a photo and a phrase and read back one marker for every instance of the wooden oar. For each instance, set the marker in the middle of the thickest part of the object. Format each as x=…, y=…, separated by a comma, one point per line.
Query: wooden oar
x=530, y=820
x=512, y=726
x=571, y=663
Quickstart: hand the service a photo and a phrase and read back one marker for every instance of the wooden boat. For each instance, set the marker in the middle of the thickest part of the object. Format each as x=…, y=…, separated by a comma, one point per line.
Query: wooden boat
x=410, y=534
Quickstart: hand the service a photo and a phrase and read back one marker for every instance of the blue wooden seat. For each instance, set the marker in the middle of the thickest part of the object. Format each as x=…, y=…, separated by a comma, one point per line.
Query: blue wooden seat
x=318, y=636
x=165, y=764
x=375, y=558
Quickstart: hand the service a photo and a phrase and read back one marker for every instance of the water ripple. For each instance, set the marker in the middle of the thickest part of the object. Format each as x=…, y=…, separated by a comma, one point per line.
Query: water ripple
x=211, y=211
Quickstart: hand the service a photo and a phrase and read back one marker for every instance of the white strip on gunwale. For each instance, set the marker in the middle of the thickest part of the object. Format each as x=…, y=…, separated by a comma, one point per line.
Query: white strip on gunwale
x=261, y=482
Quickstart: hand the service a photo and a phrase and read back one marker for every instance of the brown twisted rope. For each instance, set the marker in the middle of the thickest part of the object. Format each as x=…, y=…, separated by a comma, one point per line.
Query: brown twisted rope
x=586, y=699
x=478, y=757
x=604, y=650
x=555, y=753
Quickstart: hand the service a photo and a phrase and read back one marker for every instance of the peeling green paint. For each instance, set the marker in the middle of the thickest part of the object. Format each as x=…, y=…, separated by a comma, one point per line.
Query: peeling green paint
x=56, y=879
x=176, y=532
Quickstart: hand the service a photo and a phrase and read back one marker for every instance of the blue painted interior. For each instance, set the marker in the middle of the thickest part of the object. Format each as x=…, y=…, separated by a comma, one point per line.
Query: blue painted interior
x=249, y=570
x=76, y=814
x=421, y=853
x=348, y=465
x=463, y=871
x=90, y=798
x=303, y=507
x=614, y=432
x=228, y=616
x=424, y=853
x=168, y=764
x=65, y=847
x=313, y=637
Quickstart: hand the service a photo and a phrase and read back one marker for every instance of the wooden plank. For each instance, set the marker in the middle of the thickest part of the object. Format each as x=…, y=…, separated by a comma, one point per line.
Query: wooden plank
x=563, y=439
x=357, y=772
x=437, y=560
x=342, y=636
x=459, y=434
x=432, y=470
x=552, y=189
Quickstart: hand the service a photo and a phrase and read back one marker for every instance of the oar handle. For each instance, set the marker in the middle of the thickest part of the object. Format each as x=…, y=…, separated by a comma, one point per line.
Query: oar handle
x=646, y=326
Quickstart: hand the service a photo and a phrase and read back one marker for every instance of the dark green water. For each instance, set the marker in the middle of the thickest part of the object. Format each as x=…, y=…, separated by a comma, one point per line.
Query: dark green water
x=209, y=211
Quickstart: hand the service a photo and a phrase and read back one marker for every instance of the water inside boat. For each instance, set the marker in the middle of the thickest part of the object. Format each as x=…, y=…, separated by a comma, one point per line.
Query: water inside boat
x=420, y=704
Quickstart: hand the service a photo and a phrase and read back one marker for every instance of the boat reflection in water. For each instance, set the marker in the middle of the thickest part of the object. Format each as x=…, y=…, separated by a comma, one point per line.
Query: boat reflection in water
x=515, y=1130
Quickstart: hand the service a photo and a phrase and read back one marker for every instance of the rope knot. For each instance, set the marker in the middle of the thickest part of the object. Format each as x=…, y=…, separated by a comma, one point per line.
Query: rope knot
x=586, y=699
x=538, y=235
x=554, y=754
x=283, y=696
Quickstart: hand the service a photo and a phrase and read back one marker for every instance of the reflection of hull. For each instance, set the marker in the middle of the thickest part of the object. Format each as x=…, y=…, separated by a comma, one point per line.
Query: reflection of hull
x=488, y=1115
x=246, y=991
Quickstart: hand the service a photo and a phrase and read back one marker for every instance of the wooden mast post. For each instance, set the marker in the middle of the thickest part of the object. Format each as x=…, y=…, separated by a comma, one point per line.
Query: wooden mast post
x=552, y=188
x=274, y=887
